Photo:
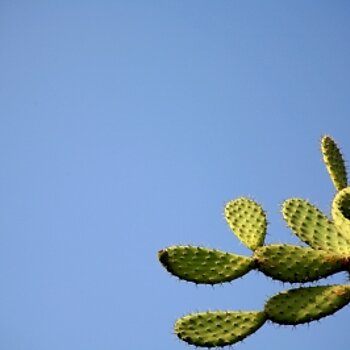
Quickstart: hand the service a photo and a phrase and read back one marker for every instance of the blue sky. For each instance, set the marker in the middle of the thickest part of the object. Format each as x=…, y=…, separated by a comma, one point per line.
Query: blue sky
x=125, y=126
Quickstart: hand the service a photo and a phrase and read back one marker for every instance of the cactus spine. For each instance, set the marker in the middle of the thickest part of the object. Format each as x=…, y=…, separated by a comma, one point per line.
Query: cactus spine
x=327, y=254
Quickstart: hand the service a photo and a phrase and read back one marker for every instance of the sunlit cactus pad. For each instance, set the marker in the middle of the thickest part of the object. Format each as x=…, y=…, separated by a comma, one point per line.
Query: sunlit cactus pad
x=203, y=265
x=247, y=220
x=313, y=227
x=218, y=328
x=334, y=162
x=327, y=253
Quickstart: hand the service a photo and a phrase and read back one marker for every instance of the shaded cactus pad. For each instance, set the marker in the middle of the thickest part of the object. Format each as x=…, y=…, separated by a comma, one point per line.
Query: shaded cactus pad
x=289, y=263
x=247, y=220
x=218, y=328
x=203, y=265
x=302, y=305
x=341, y=212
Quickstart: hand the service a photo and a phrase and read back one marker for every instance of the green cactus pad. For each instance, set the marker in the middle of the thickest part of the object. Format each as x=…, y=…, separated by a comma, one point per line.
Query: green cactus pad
x=341, y=212
x=294, y=264
x=334, y=162
x=247, y=220
x=203, y=265
x=218, y=328
x=313, y=227
x=302, y=305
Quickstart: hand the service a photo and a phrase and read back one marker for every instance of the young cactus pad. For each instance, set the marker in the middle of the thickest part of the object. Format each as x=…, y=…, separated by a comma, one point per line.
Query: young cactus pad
x=247, y=220
x=334, y=162
x=327, y=254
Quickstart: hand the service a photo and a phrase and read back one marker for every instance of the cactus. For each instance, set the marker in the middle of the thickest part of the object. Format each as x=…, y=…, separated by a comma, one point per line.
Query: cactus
x=327, y=254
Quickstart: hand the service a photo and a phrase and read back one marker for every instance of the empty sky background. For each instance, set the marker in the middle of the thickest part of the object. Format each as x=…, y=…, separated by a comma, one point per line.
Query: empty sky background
x=125, y=126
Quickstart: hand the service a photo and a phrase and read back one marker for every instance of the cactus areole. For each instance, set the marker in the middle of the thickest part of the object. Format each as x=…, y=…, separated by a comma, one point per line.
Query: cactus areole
x=328, y=252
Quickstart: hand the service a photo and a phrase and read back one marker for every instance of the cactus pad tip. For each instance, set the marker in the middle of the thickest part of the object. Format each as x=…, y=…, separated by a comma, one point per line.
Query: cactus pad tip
x=334, y=162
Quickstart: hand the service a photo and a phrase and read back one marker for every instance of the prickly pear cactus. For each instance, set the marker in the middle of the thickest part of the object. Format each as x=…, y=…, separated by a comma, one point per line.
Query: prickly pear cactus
x=327, y=254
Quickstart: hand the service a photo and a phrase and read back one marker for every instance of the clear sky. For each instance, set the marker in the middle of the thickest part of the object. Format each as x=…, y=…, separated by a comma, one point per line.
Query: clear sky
x=124, y=128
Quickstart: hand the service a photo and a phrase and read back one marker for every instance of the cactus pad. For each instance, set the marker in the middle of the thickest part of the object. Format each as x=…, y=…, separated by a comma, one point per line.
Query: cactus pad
x=289, y=263
x=313, y=227
x=203, y=265
x=302, y=305
x=218, y=328
x=334, y=162
x=247, y=220
x=341, y=212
